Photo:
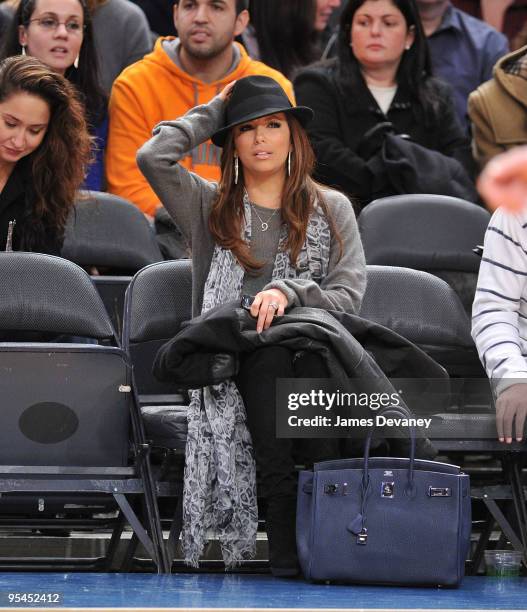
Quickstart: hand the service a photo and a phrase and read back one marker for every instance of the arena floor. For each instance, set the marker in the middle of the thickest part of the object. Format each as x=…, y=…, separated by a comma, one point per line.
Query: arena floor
x=248, y=592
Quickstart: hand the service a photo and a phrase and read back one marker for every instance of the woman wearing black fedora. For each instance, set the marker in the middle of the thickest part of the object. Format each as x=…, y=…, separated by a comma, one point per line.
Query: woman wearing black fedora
x=268, y=230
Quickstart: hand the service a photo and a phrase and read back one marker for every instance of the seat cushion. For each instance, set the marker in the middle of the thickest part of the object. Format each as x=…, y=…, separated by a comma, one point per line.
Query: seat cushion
x=166, y=426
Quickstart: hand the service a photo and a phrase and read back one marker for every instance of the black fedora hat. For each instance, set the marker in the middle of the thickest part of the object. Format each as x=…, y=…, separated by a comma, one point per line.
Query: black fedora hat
x=256, y=96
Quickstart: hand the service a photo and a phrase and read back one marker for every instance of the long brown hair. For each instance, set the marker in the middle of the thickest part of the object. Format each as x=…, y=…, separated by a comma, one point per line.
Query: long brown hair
x=57, y=167
x=299, y=195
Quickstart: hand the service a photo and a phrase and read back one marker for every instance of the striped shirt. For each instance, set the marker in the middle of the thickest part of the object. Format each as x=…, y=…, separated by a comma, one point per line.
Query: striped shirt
x=499, y=313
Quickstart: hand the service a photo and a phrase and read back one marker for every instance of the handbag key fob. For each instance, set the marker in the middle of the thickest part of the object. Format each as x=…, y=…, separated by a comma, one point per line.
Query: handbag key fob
x=362, y=537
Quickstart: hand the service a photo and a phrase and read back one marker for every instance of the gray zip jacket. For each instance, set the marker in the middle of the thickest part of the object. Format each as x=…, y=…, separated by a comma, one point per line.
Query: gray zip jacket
x=188, y=198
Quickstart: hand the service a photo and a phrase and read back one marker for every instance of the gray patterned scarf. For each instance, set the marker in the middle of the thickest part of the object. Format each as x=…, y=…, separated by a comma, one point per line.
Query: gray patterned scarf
x=219, y=497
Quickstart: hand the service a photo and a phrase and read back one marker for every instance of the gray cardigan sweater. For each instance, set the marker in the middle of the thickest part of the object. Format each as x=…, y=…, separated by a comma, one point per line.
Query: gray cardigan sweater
x=188, y=198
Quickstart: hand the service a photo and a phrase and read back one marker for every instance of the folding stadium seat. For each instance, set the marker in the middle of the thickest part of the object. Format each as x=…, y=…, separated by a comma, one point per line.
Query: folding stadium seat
x=433, y=233
x=70, y=427
x=158, y=300
x=427, y=311
x=114, y=236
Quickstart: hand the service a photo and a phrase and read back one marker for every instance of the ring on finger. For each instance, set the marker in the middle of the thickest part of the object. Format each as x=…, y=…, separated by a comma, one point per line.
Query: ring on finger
x=273, y=305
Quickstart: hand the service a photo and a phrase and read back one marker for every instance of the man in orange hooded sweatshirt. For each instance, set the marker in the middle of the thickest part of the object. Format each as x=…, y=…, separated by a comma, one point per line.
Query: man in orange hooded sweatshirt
x=179, y=74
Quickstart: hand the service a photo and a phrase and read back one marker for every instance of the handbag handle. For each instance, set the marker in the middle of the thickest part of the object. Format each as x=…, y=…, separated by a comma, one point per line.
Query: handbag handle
x=358, y=525
x=399, y=411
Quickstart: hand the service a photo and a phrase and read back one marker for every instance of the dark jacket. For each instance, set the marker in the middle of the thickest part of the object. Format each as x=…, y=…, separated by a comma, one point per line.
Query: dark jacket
x=345, y=113
x=401, y=166
x=206, y=350
x=16, y=203
x=196, y=356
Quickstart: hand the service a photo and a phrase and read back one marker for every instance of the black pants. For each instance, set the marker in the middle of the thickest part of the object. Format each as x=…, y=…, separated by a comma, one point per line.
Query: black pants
x=275, y=457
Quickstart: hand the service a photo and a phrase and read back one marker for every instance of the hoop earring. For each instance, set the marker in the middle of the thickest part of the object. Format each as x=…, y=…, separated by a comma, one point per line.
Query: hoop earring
x=289, y=164
x=76, y=62
x=235, y=169
x=23, y=52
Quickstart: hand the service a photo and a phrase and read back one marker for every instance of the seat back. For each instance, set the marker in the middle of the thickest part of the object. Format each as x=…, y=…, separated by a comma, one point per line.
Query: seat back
x=47, y=294
x=426, y=232
x=158, y=300
x=73, y=413
x=110, y=233
x=113, y=235
x=425, y=310
x=76, y=409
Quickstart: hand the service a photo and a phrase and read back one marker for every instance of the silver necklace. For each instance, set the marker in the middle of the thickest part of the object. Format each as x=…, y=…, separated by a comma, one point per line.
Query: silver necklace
x=265, y=224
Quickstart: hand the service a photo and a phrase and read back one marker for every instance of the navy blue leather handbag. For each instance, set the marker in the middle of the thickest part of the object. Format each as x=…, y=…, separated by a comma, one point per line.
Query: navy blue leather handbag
x=400, y=521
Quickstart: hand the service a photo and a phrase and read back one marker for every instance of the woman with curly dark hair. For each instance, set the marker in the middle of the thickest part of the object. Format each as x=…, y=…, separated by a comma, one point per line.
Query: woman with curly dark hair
x=44, y=150
x=59, y=33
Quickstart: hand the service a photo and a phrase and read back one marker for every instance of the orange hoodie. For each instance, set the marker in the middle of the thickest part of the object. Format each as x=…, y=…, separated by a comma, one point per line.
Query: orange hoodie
x=155, y=89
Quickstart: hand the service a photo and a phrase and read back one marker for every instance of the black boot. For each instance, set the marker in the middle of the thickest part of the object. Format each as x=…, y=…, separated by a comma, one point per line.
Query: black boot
x=281, y=536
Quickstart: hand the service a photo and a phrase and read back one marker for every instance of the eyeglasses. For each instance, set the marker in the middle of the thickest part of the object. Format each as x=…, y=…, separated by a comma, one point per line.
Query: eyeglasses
x=51, y=24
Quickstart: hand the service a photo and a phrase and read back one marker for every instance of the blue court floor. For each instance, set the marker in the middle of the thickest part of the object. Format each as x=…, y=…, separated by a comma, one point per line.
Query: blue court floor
x=244, y=591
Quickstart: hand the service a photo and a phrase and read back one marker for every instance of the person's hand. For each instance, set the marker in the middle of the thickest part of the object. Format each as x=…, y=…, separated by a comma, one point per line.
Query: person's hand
x=511, y=407
x=267, y=305
x=226, y=91
x=503, y=182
